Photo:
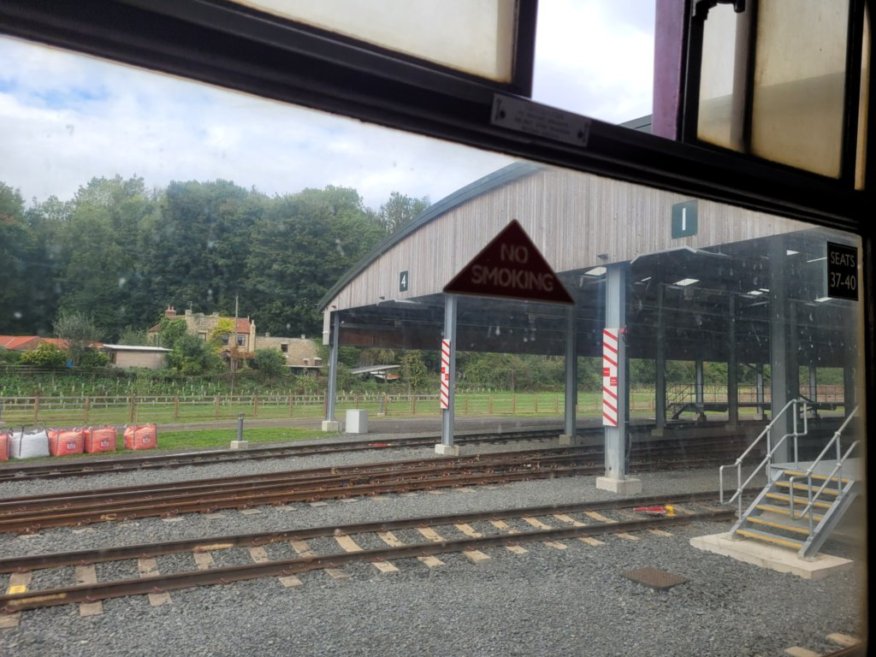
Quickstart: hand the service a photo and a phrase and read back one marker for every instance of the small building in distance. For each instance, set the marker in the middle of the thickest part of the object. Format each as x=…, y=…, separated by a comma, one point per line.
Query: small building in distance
x=125, y=355
x=203, y=326
x=302, y=355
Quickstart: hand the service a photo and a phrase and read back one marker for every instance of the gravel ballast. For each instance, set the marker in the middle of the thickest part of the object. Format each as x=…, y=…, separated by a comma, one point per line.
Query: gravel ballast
x=548, y=601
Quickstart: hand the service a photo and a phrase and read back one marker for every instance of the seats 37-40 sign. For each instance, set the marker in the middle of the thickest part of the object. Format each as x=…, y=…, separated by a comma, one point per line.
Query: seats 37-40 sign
x=510, y=266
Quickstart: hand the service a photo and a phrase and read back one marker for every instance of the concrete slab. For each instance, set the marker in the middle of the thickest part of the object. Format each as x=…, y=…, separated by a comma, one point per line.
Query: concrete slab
x=330, y=425
x=239, y=444
x=769, y=556
x=447, y=450
x=619, y=486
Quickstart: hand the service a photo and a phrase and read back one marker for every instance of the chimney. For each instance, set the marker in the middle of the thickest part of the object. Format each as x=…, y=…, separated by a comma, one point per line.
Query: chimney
x=170, y=312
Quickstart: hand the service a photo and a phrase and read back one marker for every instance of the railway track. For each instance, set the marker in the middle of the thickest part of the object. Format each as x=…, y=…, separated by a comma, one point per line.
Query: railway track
x=77, y=468
x=83, y=468
x=33, y=513
x=379, y=543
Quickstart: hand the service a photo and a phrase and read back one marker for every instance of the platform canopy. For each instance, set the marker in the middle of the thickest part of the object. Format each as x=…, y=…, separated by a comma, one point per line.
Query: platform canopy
x=686, y=275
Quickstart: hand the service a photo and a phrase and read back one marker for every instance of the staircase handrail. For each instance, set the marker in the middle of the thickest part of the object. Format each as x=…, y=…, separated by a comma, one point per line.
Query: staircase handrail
x=840, y=458
x=768, y=459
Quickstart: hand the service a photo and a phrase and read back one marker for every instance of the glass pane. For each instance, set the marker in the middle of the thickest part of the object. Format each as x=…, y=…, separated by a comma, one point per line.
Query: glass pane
x=799, y=83
x=473, y=37
x=596, y=58
x=140, y=215
x=717, y=123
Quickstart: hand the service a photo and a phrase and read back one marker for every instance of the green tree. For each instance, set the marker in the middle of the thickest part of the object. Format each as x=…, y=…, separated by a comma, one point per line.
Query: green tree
x=413, y=370
x=46, y=355
x=170, y=331
x=270, y=363
x=16, y=246
x=304, y=243
x=400, y=210
x=79, y=331
x=192, y=356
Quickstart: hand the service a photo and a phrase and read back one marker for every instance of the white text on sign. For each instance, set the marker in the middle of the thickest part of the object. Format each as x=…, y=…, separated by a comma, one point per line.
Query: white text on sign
x=509, y=277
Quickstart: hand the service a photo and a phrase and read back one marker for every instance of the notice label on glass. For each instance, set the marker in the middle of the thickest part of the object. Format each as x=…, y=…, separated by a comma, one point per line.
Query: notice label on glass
x=842, y=271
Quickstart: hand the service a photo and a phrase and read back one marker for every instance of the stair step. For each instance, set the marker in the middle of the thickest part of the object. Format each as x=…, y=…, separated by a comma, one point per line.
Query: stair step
x=785, y=511
x=797, y=500
x=760, y=520
x=770, y=538
x=803, y=487
x=820, y=477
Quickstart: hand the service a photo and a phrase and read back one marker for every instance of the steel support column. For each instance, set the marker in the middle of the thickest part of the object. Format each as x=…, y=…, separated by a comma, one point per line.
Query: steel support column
x=759, y=395
x=330, y=424
x=660, y=367
x=732, y=368
x=569, y=431
x=699, y=393
x=447, y=414
x=615, y=478
x=784, y=370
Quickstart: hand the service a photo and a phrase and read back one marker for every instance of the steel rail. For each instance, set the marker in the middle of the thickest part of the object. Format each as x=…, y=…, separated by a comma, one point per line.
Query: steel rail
x=210, y=457
x=163, y=583
x=36, y=522
x=351, y=470
x=79, y=557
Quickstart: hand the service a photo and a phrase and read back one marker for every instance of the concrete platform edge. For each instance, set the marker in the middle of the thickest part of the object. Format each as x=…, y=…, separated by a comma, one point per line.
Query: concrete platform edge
x=771, y=557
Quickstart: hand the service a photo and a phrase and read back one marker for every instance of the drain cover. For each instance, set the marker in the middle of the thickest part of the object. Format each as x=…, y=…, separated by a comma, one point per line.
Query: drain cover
x=655, y=578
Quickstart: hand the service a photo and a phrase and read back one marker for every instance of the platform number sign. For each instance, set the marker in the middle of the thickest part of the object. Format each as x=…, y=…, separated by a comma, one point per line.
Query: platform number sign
x=684, y=219
x=403, y=282
x=842, y=271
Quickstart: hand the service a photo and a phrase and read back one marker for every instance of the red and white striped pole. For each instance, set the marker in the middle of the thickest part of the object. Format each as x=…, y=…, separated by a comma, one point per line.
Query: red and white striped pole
x=609, y=377
x=445, y=375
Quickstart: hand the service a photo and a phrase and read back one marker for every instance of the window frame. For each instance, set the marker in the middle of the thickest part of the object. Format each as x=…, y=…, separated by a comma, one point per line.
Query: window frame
x=393, y=92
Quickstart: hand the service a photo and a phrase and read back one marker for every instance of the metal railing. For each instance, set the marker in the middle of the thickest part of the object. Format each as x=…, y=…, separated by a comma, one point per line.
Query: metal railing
x=771, y=449
x=841, y=458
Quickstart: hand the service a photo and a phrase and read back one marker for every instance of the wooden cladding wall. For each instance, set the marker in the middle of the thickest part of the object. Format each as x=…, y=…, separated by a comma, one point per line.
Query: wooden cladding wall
x=573, y=218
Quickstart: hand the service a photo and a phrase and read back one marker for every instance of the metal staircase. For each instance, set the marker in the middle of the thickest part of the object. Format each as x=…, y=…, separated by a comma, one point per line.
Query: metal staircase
x=800, y=506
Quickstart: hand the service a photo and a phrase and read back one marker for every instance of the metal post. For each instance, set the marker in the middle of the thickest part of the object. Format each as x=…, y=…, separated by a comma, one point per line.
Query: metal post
x=447, y=414
x=699, y=385
x=660, y=367
x=330, y=424
x=240, y=427
x=784, y=372
x=568, y=436
x=813, y=383
x=732, y=368
x=615, y=478
x=759, y=389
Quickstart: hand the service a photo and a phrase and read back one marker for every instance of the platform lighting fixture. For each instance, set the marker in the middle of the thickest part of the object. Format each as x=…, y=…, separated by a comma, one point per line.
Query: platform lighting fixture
x=754, y=293
x=822, y=299
x=596, y=271
x=817, y=259
x=764, y=289
x=684, y=282
x=791, y=252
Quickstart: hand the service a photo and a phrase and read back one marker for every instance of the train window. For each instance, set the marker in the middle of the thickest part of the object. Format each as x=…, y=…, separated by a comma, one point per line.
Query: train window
x=608, y=348
x=444, y=36
x=573, y=43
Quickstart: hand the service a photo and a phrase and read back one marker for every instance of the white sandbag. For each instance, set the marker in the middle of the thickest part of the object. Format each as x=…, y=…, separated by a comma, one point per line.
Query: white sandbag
x=28, y=444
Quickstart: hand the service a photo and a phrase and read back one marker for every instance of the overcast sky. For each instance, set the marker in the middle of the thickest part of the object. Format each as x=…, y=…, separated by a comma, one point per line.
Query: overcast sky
x=67, y=118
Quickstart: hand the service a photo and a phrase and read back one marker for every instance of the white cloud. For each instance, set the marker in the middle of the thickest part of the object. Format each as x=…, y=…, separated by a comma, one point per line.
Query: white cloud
x=65, y=118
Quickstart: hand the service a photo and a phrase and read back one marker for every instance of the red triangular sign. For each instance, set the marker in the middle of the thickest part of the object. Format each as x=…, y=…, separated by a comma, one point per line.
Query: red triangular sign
x=510, y=266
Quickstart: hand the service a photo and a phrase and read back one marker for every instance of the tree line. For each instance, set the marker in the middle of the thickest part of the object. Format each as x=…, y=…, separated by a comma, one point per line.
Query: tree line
x=121, y=252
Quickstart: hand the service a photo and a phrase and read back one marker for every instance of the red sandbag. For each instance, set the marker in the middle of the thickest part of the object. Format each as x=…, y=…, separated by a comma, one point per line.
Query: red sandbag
x=143, y=436
x=5, y=440
x=100, y=439
x=66, y=441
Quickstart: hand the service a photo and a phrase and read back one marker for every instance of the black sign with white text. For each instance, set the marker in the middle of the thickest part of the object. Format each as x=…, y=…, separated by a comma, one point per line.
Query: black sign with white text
x=842, y=271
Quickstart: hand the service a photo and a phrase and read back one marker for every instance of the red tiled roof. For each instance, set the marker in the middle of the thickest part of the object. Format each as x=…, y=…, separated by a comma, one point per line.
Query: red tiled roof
x=28, y=342
x=19, y=342
x=243, y=324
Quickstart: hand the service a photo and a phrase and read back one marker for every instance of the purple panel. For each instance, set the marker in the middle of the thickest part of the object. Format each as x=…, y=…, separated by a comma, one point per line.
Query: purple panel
x=668, y=58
